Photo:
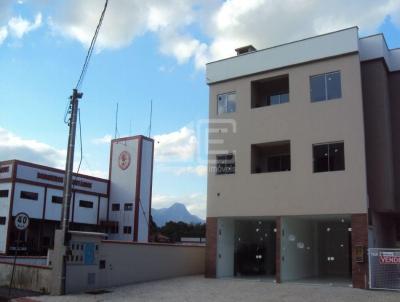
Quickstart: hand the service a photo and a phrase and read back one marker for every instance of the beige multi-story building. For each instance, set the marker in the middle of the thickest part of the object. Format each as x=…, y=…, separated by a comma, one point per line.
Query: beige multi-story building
x=303, y=159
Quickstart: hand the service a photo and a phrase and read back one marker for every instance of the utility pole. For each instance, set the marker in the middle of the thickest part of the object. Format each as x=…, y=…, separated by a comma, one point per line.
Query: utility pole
x=61, y=240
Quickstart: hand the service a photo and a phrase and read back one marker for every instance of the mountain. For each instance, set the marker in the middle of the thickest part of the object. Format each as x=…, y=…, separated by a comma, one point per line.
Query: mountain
x=177, y=212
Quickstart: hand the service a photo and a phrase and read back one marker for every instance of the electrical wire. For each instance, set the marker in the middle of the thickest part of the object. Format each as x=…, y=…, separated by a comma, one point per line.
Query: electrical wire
x=91, y=47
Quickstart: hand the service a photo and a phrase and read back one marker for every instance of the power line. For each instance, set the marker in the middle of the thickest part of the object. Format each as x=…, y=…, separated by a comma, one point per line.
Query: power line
x=91, y=47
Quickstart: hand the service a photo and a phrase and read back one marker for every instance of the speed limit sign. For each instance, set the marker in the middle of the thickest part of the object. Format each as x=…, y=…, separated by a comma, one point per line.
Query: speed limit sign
x=21, y=221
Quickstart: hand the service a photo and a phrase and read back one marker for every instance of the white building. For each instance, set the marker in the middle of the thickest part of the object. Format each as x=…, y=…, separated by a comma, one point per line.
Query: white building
x=120, y=206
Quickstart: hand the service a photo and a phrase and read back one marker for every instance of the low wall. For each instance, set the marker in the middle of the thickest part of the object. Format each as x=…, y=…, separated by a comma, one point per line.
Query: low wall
x=146, y=262
x=41, y=261
x=28, y=277
x=126, y=263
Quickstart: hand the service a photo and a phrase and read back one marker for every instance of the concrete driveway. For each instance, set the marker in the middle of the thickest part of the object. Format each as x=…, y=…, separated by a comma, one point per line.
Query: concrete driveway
x=199, y=289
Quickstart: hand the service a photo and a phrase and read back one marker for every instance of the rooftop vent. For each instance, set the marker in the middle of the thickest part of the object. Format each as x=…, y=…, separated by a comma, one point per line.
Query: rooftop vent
x=245, y=49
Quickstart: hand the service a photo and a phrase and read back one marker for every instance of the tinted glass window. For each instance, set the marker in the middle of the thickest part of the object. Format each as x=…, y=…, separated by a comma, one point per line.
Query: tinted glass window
x=318, y=89
x=85, y=204
x=334, y=88
x=3, y=193
x=29, y=195
x=274, y=100
x=56, y=199
x=336, y=157
x=128, y=206
x=127, y=230
x=225, y=164
x=226, y=103
x=328, y=157
x=321, y=162
x=231, y=102
x=284, y=98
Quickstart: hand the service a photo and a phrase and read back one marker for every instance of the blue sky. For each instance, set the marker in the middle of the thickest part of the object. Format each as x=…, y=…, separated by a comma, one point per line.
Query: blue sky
x=147, y=51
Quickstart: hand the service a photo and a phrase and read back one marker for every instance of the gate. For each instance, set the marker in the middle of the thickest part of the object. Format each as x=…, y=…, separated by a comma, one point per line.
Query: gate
x=384, y=268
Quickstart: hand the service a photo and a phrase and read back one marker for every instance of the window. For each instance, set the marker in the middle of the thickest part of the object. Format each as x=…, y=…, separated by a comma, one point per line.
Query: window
x=325, y=87
x=128, y=206
x=3, y=193
x=29, y=195
x=4, y=169
x=115, y=207
x=57, y=199
x=85, y=204
x=225, y=164
x=328, y=157
x=269, y=92
x=3, y=220
x=270, y=157
x=102, y=264
x=114, y=229
x=226, y=103
x=127, y=230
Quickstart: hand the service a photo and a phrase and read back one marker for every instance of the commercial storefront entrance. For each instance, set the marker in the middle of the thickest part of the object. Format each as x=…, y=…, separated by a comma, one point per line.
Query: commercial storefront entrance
x=316, y=249
x=255, y=248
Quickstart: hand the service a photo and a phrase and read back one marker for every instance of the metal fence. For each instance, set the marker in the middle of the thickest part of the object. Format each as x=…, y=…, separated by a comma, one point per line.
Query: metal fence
x=384, y=268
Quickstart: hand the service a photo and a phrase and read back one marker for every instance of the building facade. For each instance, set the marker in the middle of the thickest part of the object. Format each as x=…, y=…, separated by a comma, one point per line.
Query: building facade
x=303, y=159
x=119, y=206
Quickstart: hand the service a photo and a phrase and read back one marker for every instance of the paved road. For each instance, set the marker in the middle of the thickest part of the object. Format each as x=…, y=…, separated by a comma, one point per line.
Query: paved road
x=199, y=289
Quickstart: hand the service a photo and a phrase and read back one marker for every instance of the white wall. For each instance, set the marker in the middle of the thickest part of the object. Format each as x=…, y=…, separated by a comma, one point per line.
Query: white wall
x=128, y=263
x=123, y=186
x=315, y=48
x=145, y=187
x=30, y=173
x=53, y=210
x=34, y=208
x=85, y=215
x=4, y=212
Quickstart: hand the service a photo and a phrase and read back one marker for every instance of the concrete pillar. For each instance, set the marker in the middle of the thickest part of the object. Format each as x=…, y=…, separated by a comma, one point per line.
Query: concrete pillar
x=359, y=238
x=211, y=248
x=278, y=250
x=57, y=283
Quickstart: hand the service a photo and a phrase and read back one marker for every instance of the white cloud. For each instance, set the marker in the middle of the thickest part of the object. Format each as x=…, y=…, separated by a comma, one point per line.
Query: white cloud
x=223, y=26
x=3, y=34
x=179, y=145
x=106, y=139
x=19, y=26
x=199, y=170
x=15, y=147
x=195, y=203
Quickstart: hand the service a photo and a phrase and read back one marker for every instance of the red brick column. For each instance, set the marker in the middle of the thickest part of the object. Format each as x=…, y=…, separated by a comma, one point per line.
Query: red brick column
x=211, y=248
x=278, y=250
x=359, y=237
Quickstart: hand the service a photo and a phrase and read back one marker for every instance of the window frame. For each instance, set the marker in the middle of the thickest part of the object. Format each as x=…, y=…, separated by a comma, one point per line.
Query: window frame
x=127, y=230
x=325, y=75
x=128, y=207
x=34, y=196
x=5, y=195
x=56, y=197
x=87, y=202
x=226, y=163
x=329, y=144
x=226, y=102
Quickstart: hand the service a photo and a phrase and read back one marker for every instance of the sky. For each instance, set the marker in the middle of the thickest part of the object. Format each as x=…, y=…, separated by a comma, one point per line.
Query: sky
x=147, y=51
